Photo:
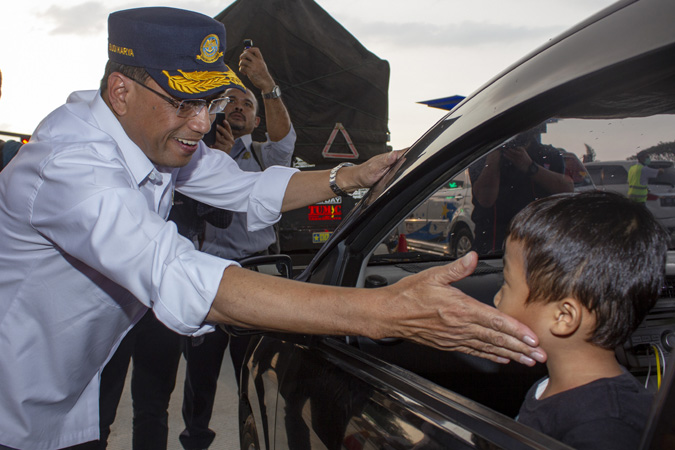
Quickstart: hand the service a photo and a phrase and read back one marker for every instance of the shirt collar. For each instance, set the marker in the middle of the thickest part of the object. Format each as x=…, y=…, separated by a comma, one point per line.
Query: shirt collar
x=240, y=144
x=139, y=164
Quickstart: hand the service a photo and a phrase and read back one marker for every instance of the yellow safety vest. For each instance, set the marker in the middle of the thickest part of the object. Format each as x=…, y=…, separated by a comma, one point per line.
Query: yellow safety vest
x=636, y=191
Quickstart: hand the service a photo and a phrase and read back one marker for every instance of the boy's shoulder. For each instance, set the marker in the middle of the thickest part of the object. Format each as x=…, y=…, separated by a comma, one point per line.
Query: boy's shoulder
x=607, y=410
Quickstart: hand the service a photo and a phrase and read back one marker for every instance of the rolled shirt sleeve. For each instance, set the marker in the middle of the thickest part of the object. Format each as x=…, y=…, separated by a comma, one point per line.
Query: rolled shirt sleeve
x=259, y=194
x=88, y=205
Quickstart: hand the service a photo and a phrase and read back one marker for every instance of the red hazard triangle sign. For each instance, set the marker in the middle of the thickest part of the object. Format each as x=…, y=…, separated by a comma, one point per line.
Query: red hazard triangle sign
x=326, y=150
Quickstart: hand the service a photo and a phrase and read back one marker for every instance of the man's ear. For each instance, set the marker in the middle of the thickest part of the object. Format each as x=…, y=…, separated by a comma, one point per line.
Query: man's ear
x=568, y=314
x=257, y=121
x=117, y=93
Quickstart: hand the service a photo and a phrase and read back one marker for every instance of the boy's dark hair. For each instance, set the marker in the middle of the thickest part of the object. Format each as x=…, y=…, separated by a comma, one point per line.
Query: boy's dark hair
x=137, y=73
x=601, y=248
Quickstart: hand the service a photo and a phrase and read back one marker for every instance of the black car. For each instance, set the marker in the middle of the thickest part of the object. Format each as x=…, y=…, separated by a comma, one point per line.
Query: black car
x=608, y=83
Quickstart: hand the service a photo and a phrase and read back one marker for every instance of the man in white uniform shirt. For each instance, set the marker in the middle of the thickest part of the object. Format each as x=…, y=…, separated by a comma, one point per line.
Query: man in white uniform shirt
x=85, y=248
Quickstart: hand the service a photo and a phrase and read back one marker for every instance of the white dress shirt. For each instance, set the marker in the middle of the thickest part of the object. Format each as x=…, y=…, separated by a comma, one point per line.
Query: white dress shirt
x=85, y=250
x=236, y=242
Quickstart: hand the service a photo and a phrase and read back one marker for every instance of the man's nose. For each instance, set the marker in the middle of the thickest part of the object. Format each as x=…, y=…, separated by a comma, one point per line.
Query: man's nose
x=201, y=122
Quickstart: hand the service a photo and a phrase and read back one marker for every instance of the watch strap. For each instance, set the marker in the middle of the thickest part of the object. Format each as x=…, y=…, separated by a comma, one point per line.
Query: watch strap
x=274, y=93
x=332, y=179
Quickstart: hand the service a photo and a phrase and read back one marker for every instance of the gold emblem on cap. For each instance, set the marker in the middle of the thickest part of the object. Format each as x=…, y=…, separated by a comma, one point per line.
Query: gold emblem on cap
x=196, y=82
x=209, y=49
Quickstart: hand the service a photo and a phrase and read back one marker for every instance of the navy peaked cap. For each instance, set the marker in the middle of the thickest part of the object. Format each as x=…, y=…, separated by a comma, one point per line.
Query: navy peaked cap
x=181, y=50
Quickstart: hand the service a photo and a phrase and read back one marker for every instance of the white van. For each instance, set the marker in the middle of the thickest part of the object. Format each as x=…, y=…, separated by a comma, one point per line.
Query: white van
x=613, y=176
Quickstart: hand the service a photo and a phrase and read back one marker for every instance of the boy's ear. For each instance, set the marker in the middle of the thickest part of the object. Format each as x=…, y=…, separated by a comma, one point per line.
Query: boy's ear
x=567, y=317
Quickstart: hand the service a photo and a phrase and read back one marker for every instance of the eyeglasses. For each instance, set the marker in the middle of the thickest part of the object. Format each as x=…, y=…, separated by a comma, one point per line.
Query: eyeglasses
x=191, y=108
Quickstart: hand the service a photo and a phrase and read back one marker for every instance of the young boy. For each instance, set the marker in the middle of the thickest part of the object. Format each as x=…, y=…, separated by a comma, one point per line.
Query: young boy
x=582, y=271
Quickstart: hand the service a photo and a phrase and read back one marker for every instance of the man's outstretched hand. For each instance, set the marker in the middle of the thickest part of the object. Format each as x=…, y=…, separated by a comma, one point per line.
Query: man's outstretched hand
x=427, y=309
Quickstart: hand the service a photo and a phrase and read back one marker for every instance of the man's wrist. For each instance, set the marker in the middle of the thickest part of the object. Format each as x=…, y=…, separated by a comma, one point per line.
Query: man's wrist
x=332, y=180
x=274, y=92
x=532, y=169
x=266, y=84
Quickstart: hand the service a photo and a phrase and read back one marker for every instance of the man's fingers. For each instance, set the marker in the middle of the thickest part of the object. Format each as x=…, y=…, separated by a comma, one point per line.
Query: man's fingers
x=504, y=336
x=390, y=158
x=451, y=320
x=250, y=52
x=462, y=267
x=226, y=128
x=455, y=271
x=376, y=167
x=494, y=341
x=252, y=64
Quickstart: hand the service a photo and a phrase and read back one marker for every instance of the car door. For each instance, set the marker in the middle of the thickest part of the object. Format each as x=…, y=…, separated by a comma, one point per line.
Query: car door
x=608, y=82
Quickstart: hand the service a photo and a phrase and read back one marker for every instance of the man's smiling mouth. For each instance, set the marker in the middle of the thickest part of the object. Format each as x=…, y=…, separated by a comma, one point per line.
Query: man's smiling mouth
x=187, y=142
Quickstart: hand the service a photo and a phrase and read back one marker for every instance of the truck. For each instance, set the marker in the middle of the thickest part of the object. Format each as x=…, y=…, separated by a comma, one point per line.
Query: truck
x=336, y=92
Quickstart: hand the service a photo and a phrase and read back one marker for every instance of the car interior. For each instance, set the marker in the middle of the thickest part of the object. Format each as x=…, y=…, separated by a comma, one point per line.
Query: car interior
x=613, y=126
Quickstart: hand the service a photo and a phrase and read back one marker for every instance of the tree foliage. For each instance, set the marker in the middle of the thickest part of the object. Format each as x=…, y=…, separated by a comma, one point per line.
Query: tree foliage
x=589, y=156
x=663, y=151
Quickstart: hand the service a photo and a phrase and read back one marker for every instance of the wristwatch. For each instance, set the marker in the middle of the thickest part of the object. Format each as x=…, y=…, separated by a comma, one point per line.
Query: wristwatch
x=534, y=168
x=275, y=93
x=332, y=179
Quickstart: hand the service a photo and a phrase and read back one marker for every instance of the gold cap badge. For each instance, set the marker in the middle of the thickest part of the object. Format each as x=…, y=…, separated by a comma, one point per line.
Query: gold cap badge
x=209, y=49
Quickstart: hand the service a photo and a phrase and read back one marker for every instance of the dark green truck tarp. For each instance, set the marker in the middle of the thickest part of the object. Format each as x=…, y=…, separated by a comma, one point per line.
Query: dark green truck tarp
x=326, y=77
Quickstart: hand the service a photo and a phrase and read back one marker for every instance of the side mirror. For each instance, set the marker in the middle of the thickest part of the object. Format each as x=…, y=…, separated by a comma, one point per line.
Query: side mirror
x=275, y=265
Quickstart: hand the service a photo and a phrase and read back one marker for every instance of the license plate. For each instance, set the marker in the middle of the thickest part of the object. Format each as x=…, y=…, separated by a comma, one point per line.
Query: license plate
x=321, y=237
x=667, y=201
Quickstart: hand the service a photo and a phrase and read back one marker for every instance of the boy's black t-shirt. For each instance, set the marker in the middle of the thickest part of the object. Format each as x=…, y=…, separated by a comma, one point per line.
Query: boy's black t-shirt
x=610, y=413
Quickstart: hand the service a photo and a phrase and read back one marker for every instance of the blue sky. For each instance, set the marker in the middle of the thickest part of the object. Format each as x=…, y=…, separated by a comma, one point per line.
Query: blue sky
x=435, y=48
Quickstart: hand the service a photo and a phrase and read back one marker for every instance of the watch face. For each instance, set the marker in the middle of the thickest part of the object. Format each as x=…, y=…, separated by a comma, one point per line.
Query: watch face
x=276, y=93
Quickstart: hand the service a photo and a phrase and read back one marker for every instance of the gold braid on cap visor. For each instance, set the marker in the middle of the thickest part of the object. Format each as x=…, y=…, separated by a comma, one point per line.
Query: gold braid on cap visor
x=196, y=82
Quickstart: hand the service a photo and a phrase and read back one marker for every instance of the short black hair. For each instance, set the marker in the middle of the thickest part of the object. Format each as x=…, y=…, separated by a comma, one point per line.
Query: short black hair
x=641, y=156
x=137, y=73
x=601, y=248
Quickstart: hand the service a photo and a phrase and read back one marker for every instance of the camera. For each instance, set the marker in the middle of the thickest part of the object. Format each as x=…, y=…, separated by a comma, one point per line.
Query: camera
x=248, y=43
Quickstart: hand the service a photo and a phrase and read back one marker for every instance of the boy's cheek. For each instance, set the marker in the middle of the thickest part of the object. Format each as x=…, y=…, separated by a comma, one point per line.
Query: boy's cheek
x=497, y=299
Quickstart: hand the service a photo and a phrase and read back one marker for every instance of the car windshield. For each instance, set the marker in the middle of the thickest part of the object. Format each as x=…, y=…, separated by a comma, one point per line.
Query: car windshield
x=471, y=210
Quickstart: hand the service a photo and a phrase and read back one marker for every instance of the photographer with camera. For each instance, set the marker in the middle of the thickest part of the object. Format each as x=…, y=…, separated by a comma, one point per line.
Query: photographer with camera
x=507, y=179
